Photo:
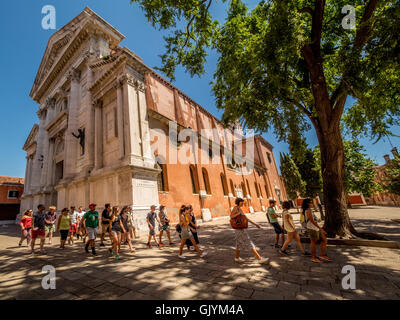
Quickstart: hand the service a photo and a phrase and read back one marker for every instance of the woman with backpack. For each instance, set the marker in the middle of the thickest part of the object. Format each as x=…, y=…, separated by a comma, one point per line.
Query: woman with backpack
x=239, y=223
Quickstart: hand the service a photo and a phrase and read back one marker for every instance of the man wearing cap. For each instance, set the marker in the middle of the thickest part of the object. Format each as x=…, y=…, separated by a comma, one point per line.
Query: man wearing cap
x=91, y=221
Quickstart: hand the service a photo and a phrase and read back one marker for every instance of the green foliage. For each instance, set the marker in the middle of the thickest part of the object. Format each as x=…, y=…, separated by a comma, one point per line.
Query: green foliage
x=392, y=176
x=291, y=176
x=360, y=171
x=262, y=77
x=304, y=159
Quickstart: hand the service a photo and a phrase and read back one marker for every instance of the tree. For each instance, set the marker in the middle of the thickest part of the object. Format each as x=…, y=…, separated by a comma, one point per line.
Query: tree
x=392, y=176
x=304, y=159
x=292, y=63
x=291, y=176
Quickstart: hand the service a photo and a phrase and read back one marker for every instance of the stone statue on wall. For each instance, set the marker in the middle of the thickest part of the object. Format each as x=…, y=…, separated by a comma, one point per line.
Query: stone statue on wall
x=81, y=137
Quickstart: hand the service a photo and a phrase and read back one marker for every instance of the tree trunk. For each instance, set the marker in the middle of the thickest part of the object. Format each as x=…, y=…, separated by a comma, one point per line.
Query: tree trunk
x=337, y=221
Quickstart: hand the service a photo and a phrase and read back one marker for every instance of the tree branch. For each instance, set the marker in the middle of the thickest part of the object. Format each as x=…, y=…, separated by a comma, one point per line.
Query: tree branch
x=359, y=42
x=306, y=9
x=188, y=26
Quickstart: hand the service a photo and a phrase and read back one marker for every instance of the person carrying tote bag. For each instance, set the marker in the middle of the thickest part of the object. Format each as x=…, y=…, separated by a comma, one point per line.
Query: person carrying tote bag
x=239, y=223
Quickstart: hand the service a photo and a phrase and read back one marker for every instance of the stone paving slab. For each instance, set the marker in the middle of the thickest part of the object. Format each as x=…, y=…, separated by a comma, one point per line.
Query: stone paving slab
x=160, y=274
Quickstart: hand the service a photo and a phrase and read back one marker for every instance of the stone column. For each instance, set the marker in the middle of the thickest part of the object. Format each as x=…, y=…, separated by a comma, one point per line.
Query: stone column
x=120, y=115
x=90, y=124
x=144, y=129
x=71, y=143
x=50, y=164
x=27, y=172
x=98, y=136
x=37, y=160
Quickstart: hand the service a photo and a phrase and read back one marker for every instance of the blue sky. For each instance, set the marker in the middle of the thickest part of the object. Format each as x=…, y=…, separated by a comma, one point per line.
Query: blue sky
x=24, y=41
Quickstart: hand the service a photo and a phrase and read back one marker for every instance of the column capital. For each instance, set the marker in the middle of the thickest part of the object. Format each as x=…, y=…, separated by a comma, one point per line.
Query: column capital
x=74, y=74
x=97, y=103
x=132, y=81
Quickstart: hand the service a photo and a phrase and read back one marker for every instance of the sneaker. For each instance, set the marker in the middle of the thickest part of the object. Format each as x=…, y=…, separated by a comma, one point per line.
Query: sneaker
x=117, y=257
x=32, y=252
x=238, y=260
x=102, y=245
x=19, y=244
x=159, y=245
x=49, y=242
x=277, y=246
x=149, y=244
x=325, y=258
x=204, y=253
x=87, y=248
x=182, y=257
x=94, y=251
x=111, y=251
x=316, y=260
x=263, y=261
x=306, y=253
x=284, y=252
x=171, y=243
x=43, y=251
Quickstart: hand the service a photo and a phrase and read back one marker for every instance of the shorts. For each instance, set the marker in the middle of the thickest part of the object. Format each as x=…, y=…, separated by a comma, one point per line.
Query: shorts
x=277, y=227
x=105, y=228
x=116, y=232
x=152, y=232
x=314, y=234
x=49, y=228
x=73, y=228
x=91, y=232
x=164, y=227
x=38, y=233
x=186, y=233
x=64, y=234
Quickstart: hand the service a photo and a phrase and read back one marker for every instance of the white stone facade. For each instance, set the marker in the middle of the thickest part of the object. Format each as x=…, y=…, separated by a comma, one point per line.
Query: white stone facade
x=92, y=141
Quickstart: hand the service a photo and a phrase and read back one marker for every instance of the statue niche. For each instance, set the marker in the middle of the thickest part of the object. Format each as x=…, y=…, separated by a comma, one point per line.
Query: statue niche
x=81, y=137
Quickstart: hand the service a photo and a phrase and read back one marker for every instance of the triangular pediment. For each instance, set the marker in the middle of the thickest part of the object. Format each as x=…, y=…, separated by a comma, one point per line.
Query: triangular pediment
x=62, y=40
x=31, y=137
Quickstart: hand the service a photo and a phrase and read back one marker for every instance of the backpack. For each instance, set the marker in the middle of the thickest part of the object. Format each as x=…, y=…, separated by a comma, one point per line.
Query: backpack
x=178, y=228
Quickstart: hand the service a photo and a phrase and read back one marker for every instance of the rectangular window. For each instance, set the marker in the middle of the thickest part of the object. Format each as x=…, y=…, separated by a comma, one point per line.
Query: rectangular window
x=13, y=194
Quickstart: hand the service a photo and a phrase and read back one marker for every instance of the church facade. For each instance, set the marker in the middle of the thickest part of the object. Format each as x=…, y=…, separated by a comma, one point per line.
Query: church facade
x=111, y=130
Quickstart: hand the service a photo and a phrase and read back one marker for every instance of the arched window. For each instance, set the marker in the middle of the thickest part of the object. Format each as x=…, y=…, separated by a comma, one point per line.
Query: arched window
x=193, y=178
x=248, y=187
x=224, y=185
x=258, y=192
x=232, y=188
x=162, y=179
x=206, y=180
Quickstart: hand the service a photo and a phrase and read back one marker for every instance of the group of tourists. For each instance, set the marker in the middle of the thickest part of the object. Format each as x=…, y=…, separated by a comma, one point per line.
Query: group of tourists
x=119, y=224
x=239, y=223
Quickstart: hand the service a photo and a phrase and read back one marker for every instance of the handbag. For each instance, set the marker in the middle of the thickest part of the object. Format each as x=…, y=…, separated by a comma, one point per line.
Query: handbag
x=240, y=222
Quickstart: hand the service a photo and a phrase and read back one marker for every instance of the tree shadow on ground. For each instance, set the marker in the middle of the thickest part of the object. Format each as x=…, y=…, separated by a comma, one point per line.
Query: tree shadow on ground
x=160, y=274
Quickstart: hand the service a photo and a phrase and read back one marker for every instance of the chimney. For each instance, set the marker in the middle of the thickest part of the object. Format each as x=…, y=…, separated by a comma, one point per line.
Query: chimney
x=395, y=152
x=387, y=158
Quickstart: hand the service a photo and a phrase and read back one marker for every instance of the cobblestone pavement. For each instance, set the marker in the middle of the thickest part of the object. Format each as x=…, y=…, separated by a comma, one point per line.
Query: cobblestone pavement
x=160, y=274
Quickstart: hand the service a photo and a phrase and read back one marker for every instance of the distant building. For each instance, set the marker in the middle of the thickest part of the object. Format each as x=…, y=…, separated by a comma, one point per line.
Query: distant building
x=11, y=190
x=384, y=198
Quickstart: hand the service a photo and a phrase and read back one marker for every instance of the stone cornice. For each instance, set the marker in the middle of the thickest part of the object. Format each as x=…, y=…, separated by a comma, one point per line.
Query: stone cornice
x=30, y=140
x=58, y=124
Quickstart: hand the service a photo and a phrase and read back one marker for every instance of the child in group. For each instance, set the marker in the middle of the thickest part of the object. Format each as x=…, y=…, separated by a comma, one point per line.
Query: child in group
x=74, y=220
x=288, y=225
x=151, y=222
x=38, y=222
x=91, y=223
x=117, y=228
x=64, y=225
x=125, y=229
x=50, y=223
x=316, y=233
x=79, y=232
x=272, y=217
x=26, y=227
x=186, y=232
x=164, y=226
